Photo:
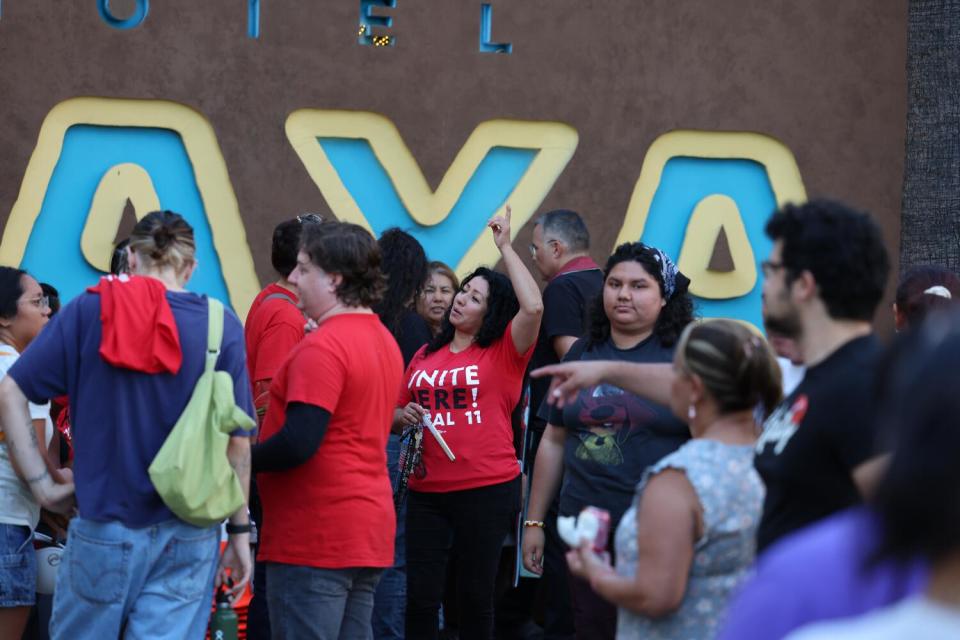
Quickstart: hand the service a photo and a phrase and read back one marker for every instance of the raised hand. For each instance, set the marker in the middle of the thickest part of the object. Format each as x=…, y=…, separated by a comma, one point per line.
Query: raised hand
x=500, y=225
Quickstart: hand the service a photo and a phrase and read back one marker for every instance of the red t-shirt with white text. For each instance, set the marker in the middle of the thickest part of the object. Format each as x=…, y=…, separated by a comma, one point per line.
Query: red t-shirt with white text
x=335, y=510
x=469, y=396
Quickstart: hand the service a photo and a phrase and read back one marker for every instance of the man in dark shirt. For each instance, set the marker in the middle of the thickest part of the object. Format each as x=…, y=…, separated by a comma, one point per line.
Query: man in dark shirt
x=822, y=283
x=560, y=252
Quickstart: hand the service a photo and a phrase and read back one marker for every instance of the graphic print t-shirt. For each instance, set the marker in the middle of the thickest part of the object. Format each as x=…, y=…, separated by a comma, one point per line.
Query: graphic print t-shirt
x=815, y=438
x=469, y=396
x=335, y=510
x=613, y=435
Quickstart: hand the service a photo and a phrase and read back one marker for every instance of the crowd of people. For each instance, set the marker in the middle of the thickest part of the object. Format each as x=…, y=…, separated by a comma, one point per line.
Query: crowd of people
x=417, y=456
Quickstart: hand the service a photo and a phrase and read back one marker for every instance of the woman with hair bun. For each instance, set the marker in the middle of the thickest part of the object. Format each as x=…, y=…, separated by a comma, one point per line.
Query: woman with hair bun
x=689, y=538
x=601, y=443
x=128, y=352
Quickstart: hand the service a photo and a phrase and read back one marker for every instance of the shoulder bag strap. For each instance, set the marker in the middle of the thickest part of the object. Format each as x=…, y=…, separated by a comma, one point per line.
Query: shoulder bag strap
x=274, y=296
x=214, y=331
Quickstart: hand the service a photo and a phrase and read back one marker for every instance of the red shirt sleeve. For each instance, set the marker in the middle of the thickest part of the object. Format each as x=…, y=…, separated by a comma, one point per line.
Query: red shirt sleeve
x=508, y=355
x=281, y=335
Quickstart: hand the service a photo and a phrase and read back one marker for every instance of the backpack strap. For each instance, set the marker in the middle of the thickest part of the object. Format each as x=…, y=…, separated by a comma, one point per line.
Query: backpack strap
x=274, y=296
x=214, y=331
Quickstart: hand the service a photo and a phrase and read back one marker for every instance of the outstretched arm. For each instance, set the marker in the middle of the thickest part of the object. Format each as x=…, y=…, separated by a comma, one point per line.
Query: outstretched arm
x=526, y=324
x=651, y=381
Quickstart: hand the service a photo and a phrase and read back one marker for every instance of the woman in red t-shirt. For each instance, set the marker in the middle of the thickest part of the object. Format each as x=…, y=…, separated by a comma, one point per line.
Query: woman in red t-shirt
x=467, y=382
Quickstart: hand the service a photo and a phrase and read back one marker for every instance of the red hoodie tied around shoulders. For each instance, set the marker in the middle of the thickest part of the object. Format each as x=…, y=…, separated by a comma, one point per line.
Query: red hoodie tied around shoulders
x=139, y=331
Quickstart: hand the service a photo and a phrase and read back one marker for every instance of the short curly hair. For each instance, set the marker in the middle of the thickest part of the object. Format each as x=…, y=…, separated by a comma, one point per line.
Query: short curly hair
x=676, y=314
x=350, y=250
x=502, y=306
x=842, y=248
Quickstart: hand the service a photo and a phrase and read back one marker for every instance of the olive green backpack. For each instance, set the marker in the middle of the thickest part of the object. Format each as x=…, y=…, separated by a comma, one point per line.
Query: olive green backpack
x=191, y=471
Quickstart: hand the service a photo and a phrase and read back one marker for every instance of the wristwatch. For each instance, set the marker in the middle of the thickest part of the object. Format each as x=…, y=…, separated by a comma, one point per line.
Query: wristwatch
x=238, y=528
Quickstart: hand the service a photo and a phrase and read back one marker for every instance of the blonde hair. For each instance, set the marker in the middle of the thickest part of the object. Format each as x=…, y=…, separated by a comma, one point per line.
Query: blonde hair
x=164, y=239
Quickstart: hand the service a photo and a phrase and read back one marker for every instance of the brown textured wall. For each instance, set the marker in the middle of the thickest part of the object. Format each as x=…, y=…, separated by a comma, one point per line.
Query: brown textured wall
x=827, y=78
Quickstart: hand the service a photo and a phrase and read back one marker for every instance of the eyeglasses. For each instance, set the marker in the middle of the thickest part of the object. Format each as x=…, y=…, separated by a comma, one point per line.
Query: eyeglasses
x=769, y=267
x=309, y=217
x=43, y=302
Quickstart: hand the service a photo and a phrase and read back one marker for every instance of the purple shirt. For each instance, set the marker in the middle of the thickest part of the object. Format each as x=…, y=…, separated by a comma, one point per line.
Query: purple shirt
x=819, y=573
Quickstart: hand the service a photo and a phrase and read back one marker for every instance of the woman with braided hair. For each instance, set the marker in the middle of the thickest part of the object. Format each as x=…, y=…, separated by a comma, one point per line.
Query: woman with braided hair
x=692, y=526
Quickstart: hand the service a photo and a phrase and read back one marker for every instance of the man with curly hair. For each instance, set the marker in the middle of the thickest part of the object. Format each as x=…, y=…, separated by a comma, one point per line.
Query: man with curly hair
x=322, y=461
x=822, y=283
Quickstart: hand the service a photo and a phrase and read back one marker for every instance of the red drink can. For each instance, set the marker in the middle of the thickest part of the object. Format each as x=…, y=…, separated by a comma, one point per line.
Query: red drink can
x=603, y=531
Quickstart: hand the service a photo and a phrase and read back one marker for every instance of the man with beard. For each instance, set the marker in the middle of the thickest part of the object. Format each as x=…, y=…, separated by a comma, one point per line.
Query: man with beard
x=822, y=283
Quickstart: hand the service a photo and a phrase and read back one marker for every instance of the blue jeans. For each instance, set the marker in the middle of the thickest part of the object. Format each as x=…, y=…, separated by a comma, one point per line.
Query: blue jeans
x=309, y=603
x=390, y=600
x=157, y=581
x=18, y=566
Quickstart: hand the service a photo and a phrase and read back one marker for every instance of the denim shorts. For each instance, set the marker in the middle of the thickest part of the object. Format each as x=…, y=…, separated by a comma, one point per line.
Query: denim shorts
x=18, y=566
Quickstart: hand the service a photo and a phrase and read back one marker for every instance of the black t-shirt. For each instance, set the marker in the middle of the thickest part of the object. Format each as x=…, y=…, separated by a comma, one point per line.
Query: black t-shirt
x=613, y=435
x=566, y=305
x=412, y=333
x=815, y=438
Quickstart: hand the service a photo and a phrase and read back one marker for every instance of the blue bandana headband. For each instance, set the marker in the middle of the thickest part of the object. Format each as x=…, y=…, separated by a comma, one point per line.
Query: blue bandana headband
x=668, y=272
